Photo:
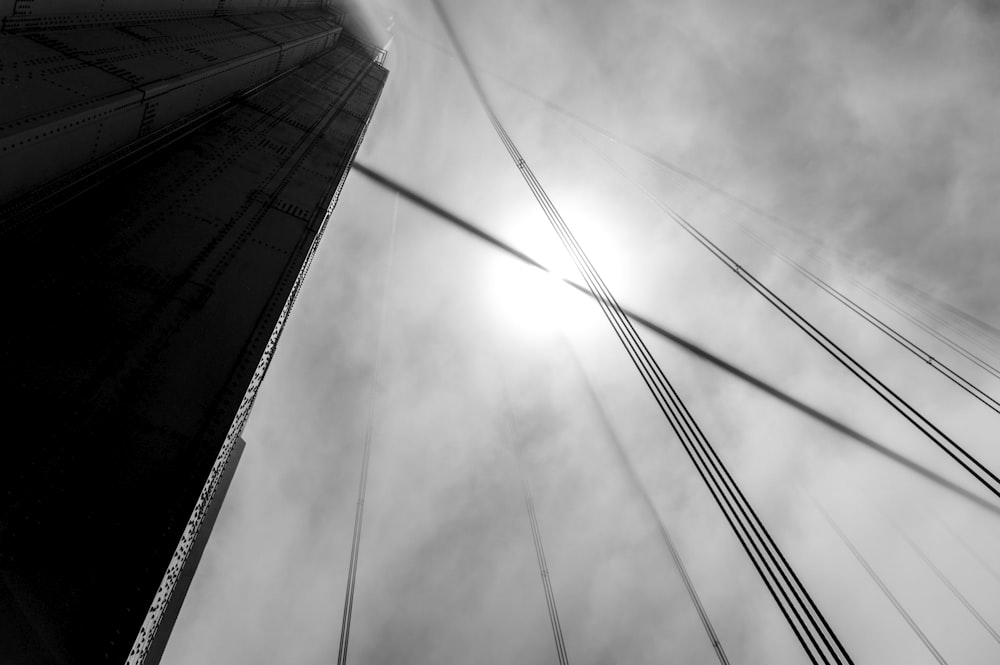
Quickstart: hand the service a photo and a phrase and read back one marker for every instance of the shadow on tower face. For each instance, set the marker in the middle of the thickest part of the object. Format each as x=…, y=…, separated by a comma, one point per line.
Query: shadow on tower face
x=144, y=311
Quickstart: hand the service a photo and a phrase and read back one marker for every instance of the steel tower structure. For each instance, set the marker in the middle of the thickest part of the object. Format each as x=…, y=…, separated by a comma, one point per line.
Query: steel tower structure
x=169, y=167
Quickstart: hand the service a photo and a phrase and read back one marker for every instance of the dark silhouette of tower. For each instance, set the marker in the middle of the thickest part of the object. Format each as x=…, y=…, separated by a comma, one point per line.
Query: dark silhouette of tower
x=168, y=169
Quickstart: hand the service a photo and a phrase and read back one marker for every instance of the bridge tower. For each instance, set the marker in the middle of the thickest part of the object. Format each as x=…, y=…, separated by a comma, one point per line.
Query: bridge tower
x=169, y=167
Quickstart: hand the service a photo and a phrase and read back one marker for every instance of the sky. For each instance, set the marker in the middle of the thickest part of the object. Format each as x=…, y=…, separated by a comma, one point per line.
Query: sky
x=866, y=128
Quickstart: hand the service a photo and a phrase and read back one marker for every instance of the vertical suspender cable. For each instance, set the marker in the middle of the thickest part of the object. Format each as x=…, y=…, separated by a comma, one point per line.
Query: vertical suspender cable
x=352, y=572
x=514, y=442
x=802, y=614
x=881, y=585
x=969, y=548
x=959, y=327
x=942, y=577
x=647, y=501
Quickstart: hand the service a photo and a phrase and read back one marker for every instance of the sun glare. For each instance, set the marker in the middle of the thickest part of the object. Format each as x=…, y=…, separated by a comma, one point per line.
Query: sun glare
x=538, y=302
x=535, y=301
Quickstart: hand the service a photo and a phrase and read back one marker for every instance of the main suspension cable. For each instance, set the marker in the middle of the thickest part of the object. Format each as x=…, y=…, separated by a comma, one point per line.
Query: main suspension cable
x=684, y=343
x=959, y=454
x=803, y=616
x=692, y=177
x=689, y=177
x=957, y=537
x=958, y=326
x=681, y=178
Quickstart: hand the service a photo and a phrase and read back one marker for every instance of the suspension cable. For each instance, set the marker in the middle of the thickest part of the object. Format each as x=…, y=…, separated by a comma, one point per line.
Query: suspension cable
x=890, y=332
x=802, y=614
x=986, y=330
x=682, y=342
x=352, y=571
x=681, y=178
x=944, y=339
x=880, y=583
x=647, y=500
x=959, y=326
x=686, y=176
x=516, y=447
x=689, y=176
x=959, y=454
x=987, y=566
x=942, y=577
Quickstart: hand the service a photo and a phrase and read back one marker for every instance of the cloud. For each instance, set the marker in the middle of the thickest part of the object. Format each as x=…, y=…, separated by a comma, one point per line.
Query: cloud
x=870, y=126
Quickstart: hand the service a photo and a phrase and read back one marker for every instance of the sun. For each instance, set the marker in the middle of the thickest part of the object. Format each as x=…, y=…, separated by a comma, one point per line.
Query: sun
x=538, y=302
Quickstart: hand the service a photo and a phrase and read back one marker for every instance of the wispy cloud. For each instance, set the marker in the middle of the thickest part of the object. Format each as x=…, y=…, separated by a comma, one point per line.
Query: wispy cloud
x=869, y=126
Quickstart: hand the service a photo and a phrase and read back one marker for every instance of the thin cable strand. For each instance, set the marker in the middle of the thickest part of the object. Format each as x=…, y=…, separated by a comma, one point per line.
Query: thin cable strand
x=514, y=442
x=647, y=501
x=986, y=399
x=942, y=577
x=352, y=572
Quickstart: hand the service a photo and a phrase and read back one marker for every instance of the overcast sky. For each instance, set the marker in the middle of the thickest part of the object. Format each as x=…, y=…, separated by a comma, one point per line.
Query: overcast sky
x=869, y=126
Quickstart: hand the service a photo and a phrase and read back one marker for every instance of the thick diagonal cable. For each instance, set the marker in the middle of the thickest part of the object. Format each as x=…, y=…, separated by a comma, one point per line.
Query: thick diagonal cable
x=801, y=613
x=684, y=343
x=945, y=339
x=514, y=441
x=683, y=175
x=359, y=511
x=689, y=176
x=890, y=332
x=966, y=460
x=647, y=500
x=684, y=179
x=677, y=170
x=910, y=621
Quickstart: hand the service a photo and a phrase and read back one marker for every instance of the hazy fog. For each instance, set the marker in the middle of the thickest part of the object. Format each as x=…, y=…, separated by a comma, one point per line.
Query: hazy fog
x=869, y=126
